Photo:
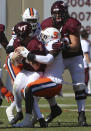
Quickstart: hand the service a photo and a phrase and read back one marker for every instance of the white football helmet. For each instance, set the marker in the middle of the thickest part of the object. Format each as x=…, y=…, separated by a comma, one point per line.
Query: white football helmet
x=31, y=16
x=50, y=34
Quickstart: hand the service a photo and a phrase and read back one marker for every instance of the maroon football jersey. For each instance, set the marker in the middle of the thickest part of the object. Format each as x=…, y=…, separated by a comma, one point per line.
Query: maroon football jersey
x=35, y=46
x=71, y=26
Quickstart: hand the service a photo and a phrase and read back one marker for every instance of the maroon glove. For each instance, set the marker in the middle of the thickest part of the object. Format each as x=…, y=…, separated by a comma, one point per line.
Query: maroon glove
x=2, y=28
x=3, y=39
x=9, y=96
x=56, y=46
x=61, y=46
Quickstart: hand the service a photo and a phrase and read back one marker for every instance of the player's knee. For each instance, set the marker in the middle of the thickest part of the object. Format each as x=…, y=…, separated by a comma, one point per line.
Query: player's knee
x=80, y=92
x=17, y=84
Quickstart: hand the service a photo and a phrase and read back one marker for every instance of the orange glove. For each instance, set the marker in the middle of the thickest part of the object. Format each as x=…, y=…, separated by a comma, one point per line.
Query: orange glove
x=9, y=96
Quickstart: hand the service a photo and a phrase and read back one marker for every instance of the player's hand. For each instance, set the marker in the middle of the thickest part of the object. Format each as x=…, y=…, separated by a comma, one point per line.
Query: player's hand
x=64, y=47
x=2, y=28
x=56, y=46
x=31, y=56
x=16, y=58
x=24, y=52
x=8, y=95
x=3, y=39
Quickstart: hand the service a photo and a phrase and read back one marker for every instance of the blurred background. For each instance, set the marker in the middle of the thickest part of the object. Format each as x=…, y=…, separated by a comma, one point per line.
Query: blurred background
x=11, y=13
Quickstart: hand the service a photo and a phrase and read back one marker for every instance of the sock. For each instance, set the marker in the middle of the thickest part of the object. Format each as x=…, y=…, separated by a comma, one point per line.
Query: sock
x=81, y=105
x=37, y=110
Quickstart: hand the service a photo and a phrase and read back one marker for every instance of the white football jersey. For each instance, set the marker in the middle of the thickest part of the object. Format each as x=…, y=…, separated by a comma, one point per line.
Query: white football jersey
x=85, y=48
x=54, y=70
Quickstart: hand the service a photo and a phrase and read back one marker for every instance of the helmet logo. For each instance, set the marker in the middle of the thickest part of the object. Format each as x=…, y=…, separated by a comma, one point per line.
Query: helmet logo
x=22, y=28
x=55, y=34
x=56, y=9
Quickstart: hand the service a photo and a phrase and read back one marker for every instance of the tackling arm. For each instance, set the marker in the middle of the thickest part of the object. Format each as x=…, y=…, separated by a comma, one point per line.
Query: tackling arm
x=3, y=39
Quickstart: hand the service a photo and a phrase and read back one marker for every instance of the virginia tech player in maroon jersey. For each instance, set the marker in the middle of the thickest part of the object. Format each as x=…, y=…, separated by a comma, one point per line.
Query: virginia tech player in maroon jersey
x=70, y=31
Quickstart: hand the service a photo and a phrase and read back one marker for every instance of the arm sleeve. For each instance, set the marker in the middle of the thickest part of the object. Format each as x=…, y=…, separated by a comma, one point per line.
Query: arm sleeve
x=44, y=59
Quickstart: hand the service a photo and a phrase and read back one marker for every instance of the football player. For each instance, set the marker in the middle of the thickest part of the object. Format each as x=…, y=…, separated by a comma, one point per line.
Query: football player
x=85, y=43
x=31, y=16
x=51, y=82
x=4, y=92
x=28, y=72
x=72, y=54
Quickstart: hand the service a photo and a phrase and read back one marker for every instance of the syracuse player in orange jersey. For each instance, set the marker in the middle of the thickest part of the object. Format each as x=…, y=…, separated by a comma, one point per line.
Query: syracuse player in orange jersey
x=4, y=42
x=50, y=83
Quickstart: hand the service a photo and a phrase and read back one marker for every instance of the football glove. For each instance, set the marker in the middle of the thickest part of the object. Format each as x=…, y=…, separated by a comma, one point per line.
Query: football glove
x=31, y=56
x=64, y=47
x=3, y=39
x=2, y=28
x=60, y=46
x=24, y=52
x=8, y=95
x=56, y=46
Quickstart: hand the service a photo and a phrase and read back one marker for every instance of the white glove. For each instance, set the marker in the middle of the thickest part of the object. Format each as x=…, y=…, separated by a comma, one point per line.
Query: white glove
x=24, y=52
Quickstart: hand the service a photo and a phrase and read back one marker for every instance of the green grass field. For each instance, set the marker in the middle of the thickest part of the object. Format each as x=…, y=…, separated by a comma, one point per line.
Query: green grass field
x=67, y=121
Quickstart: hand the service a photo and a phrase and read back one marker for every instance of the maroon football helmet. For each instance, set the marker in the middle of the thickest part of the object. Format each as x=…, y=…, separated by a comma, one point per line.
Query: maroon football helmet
x=23, y=29
x=59, y=12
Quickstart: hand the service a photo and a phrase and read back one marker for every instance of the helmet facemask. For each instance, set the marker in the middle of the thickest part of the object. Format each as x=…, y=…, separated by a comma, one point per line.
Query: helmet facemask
x=59, y=12
x=31, y=16
x=45, y=38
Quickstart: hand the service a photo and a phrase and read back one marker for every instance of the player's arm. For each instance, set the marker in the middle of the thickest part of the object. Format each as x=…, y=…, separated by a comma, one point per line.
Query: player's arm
x=86, y=55
x=74, y=35
x=16, y=58
x=3, y=39
x=38, y=58
x=75, y=43
x=42, y=59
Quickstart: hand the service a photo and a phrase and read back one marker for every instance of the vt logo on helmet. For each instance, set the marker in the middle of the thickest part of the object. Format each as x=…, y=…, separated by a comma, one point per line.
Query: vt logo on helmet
x=23, y=29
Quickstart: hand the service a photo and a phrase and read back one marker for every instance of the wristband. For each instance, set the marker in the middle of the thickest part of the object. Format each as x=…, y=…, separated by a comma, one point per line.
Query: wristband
x=31, y=56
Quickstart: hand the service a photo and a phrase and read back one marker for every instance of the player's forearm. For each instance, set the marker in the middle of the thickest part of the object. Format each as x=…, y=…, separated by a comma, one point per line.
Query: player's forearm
x=44, y=59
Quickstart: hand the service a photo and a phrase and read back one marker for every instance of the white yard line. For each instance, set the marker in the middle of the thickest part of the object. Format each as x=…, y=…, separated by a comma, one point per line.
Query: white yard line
x=68, y=95
x=61, y=105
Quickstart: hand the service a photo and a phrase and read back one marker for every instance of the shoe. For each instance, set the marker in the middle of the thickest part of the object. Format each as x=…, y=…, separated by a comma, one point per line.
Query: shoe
x=1, y=101
x=43, y=123
x=35, y=119
x=82, y=119
x=9, y=114
x=27, y=122
x=19, y=116
x=55, y=111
